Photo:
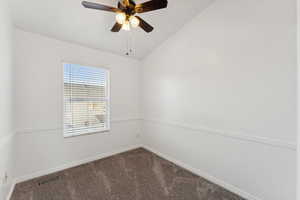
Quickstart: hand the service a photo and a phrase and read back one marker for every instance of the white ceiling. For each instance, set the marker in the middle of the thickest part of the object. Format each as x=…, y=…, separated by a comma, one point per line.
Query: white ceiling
x=68, y=20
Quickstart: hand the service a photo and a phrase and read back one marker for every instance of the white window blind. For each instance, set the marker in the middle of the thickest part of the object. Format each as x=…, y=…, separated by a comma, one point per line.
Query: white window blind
x=86, y=100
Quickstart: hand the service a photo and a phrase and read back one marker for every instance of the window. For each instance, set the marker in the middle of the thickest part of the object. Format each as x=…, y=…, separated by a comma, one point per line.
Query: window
x=86, y=100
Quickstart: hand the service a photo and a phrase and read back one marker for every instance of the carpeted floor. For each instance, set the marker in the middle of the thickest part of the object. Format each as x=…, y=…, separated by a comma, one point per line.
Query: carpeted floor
x=133, y=175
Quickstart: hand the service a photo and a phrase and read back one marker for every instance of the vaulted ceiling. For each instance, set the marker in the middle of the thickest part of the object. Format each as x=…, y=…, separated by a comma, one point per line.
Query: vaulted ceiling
x=67, y=20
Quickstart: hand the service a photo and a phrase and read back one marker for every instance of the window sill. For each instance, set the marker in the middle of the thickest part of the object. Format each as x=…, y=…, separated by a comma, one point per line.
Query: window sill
x=87, y=132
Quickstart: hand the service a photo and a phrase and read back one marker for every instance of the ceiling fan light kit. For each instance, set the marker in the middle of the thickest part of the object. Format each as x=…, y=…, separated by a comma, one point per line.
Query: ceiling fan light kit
x=126, y=13
x=127, y=21
x=121, y=18
x=126, y=26
x=134, y=21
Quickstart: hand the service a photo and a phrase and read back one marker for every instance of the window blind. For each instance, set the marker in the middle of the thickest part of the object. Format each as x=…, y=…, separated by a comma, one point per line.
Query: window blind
x=86, y=99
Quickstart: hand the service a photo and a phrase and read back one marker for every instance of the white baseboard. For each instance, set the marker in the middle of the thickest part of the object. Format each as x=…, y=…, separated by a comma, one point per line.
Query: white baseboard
x=6, y=191
x=11, y=190
x=199, y=172
x=205, y=175
x=74, y=163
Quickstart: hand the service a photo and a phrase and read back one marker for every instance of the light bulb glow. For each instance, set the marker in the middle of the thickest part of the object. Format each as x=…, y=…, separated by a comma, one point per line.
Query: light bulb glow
x=121, y=18
x=134, y=21
x=126, y=26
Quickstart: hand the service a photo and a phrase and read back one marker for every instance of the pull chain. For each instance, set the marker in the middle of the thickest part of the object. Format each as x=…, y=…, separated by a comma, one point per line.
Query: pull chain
x=129, y=44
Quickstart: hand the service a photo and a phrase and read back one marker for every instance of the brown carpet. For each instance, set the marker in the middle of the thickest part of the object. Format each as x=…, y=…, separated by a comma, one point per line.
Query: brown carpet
x=133, y=175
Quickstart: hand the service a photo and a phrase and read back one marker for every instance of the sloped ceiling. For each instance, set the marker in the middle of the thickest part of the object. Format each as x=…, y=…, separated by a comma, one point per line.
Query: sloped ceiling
x=67, y=20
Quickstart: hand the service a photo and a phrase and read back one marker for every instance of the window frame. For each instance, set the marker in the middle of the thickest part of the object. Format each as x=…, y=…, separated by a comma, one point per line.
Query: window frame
x=90, y=130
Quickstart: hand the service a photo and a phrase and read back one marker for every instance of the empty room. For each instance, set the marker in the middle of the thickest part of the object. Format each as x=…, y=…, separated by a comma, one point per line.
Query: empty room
x=148, y=99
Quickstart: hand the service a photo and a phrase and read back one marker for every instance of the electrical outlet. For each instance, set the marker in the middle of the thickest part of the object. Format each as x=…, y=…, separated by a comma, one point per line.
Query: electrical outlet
x=4, y=179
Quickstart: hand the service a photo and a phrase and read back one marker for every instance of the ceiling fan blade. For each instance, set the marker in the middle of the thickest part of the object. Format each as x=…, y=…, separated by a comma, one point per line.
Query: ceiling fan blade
x=151, y=5
x=116, y=28
x=144, y=25
x=131, y=2
x=99, y=6
x=121, y=5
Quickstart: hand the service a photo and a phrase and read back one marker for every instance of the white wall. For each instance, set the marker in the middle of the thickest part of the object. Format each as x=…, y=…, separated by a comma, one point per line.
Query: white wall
x=298, y=93
x=6, y=100
x=39, y=104
x=220, y=96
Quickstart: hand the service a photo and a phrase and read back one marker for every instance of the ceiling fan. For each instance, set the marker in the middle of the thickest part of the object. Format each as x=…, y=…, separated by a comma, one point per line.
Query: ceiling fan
x=126, y=11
